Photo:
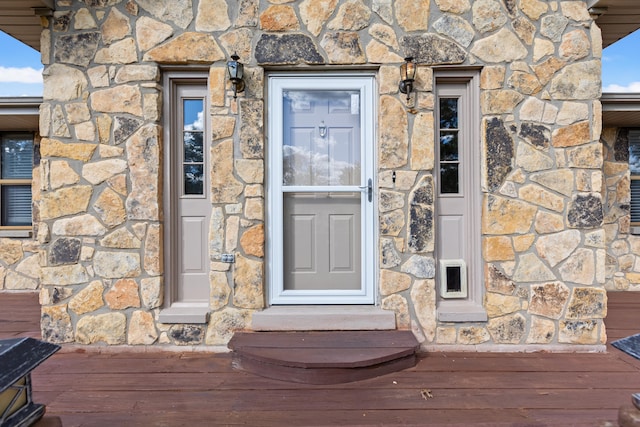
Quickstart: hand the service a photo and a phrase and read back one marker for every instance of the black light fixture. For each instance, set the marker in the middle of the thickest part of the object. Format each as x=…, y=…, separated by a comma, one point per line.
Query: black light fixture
x=236, y=71
x=18, y=357
x=407, y=76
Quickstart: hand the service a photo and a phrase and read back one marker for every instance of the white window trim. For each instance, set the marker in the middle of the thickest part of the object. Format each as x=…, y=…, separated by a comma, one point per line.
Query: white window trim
x=471, y=308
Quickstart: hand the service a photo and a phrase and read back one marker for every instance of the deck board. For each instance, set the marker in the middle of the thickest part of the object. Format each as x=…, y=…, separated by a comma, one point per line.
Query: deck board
x=133, y=388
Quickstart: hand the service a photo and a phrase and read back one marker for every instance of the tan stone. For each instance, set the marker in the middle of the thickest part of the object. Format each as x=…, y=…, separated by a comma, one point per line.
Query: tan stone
x=498, y=248
x=10, y=251
x=548, y=68
x=83, y=225
x=508, y=329
x=496, y=281
x=88, y=299
x=352, y=15
x=115, y=27
x=385, y=35
x=392, y=282
x=492, y=77
x=549, y=299
x=222, y=127
x=30, y=266
x=581, y=80
x=500, y=101
x=151, y=292
x=412, y=15
x=56, y=148
x=77, y=112
x=542, y=48
x=390, y=200
x=531, y=269
x=116, y=265
x=248, y=279
x=446, y=335
x=547, y=222
x=560, y=181
x=123, y=294
x=579, y=268
x=586, y=156
x=558, y=247
x=587, y=303
x=578, y=332
x=98, y=172
x=55, y=324
x=541, y=331
x=224, y=323
x=187, y=48
x=454, y=6
x=506, y=216
x=315, y=13
x=119, y=99
x=422, y=145
x=471, y=335
x=150, y=33
x=143, y=158
x=423, y=297
x=394, y=141
x=525, y=83
x=380, y=54
x=178, y=11
x=575, y=45
x=343, y=48
x=279, y=18
x=399, y=305
x=531, y=159
x=533, y=8
x=572, y=135
x=220, y=290
x=53, y=295
x=109, y=328
x=82, y=20
x=499, y=305
x=213, y=15
x=142, y=330
x=575, y=10
x=121, y=239
x=110, y=208
x=250, y=171
x=503, y=46
x=539, y=196
x=254, y=208
x=65, y=201
x=14, y=281
x=63, y=83
x=488, y=15
x=252, y=241
x=216, y=233
x=523, y=242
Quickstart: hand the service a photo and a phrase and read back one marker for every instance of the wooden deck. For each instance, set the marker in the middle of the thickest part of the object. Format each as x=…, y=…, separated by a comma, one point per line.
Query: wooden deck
x=89, y=388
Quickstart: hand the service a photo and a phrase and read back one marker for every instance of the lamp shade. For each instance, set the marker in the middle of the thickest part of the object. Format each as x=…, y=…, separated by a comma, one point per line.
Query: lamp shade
x=235, y=68
x=408, y=69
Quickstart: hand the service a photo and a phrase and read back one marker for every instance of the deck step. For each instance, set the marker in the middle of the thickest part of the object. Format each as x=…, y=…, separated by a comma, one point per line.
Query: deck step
x=324, y=357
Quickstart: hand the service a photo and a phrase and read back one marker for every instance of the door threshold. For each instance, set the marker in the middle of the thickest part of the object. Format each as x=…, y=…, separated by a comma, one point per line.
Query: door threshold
x=324, y=318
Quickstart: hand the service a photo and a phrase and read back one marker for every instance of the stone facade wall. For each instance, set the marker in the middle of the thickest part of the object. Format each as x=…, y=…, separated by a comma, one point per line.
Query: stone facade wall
x=101, y=200
x=623, y=248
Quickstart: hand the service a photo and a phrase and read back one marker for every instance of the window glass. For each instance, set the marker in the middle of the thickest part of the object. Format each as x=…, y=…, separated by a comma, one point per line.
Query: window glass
x=16, y=168
x=634, y=169
x=193, y=146
x=449, y=151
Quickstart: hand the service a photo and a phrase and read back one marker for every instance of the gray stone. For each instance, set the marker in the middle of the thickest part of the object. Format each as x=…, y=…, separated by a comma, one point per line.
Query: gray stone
x=178, y=11
x=343, y=48
x=488, y=15
x=585, y=211
x=391, y=222
x=553, y=26
x=430, y=49
x=65, y=251
x=124, y=127
x=251, y=134
x=389, y=255
x=186, y=334
x=456, y=28
x=287, y=49
x=535, y=134
x=77, y=49
x=55, y=324
x=420, y=266
x=500, y=145
x=421, y=217
x=507, y=329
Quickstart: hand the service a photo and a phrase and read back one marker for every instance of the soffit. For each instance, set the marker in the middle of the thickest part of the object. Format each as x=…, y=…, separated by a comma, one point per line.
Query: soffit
x=617, y=18
x=19, y=114
x=621, y=109
x=20, y=19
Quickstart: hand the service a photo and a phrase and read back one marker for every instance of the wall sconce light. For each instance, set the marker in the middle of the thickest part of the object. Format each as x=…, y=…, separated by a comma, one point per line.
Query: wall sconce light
x=407, y=76
x=236, y=71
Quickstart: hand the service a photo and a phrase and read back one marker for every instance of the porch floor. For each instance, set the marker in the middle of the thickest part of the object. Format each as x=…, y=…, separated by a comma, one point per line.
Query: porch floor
x=148, y=388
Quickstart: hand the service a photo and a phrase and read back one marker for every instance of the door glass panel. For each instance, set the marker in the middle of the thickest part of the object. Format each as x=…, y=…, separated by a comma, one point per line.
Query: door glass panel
x=449, y=150
x=193, y=146
x=321, y=141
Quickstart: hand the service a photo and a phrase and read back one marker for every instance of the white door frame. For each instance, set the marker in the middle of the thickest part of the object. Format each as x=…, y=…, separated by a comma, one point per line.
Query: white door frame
x=365, y=83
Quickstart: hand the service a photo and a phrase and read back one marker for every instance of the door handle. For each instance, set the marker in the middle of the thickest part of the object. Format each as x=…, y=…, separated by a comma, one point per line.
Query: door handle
x=369, y=188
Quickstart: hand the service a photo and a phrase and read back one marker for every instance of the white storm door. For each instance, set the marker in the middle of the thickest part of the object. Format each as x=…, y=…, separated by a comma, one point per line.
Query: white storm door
x=321, y=210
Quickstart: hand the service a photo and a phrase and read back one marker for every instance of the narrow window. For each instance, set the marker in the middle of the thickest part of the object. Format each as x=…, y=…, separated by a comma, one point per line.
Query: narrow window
x=458, y=197
x=16, y=168
x=634, y=169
